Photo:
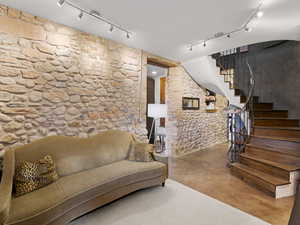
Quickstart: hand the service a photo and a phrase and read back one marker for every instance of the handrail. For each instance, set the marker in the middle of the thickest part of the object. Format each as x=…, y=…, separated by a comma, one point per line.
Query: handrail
x=252, y=85
x=241, y=123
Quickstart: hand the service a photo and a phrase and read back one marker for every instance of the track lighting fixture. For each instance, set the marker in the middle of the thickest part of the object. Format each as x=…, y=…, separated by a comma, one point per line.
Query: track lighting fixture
x=96, y=15
x=111, y=29
x=80, y=15
x=60, y=3
x=256, y=13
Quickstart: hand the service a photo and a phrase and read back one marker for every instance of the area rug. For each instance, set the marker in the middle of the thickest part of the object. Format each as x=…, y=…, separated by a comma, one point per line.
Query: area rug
x=174, y=204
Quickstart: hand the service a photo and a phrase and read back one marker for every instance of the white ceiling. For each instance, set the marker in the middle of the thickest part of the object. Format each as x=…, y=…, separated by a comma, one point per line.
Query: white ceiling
x=166, y=27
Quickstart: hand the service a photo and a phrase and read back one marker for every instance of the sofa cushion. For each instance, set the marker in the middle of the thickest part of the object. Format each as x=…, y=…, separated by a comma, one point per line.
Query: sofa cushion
x=141, y=152
x=73, y=190
x=34, y=175
x=73, y=154
x=35, y=202
x=104, y=179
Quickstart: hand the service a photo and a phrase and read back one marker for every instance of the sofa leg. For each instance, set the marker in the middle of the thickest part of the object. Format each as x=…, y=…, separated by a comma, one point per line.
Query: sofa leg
x=163, y=184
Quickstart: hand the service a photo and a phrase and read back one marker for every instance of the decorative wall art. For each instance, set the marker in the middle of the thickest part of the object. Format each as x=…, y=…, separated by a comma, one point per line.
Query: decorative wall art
x=190, y=103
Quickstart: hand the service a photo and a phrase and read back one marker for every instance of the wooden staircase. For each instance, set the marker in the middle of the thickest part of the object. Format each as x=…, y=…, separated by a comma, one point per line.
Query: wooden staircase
x=271, y=161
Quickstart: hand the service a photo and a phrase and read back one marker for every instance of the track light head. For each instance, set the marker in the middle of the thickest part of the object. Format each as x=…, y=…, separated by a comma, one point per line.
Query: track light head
x=80, y=15
x=204, y=44
x=111, y=29
x=95, y=13
x=248, y=29
x=191, y=48
x=60, y=3
x=128, y=35
x=259, y=14
x=229, y=35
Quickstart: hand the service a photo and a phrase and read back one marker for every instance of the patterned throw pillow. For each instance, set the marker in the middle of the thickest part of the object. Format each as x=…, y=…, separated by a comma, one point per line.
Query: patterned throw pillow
x=31, y=176
x=141, y=152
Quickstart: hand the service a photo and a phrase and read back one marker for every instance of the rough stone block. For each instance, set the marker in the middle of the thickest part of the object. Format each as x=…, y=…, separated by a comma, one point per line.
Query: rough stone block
x=22, y=29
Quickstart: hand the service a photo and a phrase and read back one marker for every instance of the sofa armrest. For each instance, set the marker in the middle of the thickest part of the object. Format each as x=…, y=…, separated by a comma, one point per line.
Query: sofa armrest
x=161, y=158
x=6, y=184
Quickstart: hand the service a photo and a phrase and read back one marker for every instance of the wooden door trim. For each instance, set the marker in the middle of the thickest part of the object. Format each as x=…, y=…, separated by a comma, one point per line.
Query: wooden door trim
x=161, y=63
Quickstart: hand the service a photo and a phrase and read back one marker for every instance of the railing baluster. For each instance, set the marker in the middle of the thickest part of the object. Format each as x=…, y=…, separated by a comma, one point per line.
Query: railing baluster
x=241, y=119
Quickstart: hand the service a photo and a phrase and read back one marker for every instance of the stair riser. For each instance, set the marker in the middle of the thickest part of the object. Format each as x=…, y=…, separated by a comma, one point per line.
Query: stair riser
x=271, y=114
x=276, y=123
x=254, y=181
x=272, y=155
x=265, y=168
x=263, y=107
x=291, y=189
x=277, y=133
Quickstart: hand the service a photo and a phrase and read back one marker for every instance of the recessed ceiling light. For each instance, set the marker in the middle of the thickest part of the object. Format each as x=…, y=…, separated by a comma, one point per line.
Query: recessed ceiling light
x=259, y=14
x=154, y=72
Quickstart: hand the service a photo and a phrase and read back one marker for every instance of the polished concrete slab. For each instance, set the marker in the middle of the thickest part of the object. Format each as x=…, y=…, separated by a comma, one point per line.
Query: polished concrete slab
x=206, y=172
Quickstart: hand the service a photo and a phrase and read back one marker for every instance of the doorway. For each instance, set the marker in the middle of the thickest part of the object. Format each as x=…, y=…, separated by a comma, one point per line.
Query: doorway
x=156, y=94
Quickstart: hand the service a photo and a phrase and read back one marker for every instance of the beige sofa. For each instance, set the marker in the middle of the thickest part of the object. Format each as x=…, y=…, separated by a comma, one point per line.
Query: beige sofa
x=93, y=171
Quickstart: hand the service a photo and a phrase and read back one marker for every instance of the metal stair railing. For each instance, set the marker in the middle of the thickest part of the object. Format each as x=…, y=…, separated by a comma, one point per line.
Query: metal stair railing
x=240, y=119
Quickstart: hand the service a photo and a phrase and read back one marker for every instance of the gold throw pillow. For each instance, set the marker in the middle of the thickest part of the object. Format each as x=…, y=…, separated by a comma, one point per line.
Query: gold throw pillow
x=31, y=176
x=141, y=152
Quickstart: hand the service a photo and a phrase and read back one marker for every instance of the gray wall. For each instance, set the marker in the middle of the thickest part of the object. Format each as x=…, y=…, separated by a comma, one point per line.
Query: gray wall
x=277, y=74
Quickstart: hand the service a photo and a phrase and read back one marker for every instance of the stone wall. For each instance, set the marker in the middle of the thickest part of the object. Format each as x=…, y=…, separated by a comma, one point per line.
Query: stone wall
x=192, y=130
x=55, y=80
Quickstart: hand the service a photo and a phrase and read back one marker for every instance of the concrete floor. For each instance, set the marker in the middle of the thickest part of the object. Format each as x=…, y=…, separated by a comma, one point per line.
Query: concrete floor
x=206, y=172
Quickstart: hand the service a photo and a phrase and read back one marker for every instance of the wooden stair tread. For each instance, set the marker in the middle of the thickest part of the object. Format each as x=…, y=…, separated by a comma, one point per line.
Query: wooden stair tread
x=286, y=167
x=273, y=110
x=278, y=149
x=279, y=138
x=276, y=122
x=278, y=128
x=273, y=118
x=271, y=114
x=263, y=106
x=268, y=141
x=276, y=181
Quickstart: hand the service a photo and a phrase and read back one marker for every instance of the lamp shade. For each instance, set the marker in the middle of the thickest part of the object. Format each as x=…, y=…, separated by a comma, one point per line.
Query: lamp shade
x=157, y=110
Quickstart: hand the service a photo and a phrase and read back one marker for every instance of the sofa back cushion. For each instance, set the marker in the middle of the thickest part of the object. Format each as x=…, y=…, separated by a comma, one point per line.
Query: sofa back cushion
x=72, y=154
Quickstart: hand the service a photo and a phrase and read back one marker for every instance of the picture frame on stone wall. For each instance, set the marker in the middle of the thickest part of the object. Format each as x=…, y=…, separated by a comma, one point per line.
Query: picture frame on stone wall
x=189, y=103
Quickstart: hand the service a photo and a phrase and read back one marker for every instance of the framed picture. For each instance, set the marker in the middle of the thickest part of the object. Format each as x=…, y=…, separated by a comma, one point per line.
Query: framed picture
x=190, y=103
